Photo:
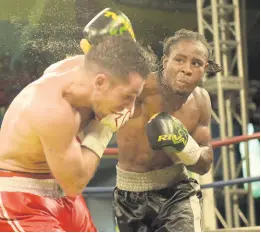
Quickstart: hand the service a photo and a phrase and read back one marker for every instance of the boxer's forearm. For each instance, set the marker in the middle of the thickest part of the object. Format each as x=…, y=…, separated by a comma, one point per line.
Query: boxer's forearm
x=204, y=162
x=91, y=162
x=79, y=173
x=98, y=135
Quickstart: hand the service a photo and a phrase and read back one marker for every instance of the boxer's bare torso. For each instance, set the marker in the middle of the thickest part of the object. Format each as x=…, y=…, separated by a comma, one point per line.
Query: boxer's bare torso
x=135, y=153
x=21, y=148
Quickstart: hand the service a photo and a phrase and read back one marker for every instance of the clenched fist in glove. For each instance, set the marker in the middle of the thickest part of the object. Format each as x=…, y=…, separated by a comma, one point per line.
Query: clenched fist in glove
x=168, y=133
x=107, y=22
x=99, y=132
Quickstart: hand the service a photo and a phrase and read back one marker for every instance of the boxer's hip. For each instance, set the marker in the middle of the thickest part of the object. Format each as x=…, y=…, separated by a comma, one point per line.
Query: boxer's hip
x=152, y=180
x=171, y=209
x=35, y=199
x=37, y=184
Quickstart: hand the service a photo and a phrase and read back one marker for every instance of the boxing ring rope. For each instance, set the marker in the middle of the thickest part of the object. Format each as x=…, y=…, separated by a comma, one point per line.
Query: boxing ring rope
x=215, y=143
x=240, y=229
x=217, y=184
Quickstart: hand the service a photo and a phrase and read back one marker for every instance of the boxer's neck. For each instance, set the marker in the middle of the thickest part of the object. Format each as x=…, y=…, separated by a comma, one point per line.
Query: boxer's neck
x=173, y=101
x=78, y=92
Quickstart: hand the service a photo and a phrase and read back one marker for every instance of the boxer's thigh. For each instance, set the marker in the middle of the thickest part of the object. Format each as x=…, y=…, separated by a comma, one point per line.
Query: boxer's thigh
x=8, y=225
x=130, y=210
x=32, y=224
x=81, y=219
x=21, y=212
x=182, y=212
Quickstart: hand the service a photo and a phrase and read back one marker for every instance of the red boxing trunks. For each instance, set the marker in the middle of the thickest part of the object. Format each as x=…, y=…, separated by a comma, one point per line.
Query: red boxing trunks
x=35, y=202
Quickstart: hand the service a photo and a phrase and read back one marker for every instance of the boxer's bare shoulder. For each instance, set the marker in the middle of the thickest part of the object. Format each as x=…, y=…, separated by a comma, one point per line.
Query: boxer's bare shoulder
x=195, y=109
x=149, y=94
x=203, y=101
x=39, y=104
x=66, y=64
x=198, y=125
x=150, y=87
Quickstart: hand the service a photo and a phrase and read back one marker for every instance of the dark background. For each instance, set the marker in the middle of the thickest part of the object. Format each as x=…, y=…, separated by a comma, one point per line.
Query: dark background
x=37, y=33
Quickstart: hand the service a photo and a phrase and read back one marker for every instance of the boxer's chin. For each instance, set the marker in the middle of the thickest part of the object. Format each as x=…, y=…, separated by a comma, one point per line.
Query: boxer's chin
x=99, y=114
x=174, y=90
x=97, y=111
x=180, y=92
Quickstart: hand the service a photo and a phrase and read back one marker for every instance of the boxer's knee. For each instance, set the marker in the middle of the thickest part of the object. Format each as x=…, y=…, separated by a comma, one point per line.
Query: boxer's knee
x=180, y=216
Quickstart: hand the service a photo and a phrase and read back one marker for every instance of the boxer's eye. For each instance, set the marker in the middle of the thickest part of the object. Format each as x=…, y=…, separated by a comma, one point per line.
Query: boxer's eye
x=197, y=63
x=127, y=97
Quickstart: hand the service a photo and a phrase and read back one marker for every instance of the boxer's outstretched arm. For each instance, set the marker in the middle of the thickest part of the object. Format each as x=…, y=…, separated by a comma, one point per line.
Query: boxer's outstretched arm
x=72, y=166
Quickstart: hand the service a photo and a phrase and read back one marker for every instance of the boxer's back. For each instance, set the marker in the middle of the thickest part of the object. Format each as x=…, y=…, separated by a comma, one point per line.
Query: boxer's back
x=21, y=149
x=135, y=153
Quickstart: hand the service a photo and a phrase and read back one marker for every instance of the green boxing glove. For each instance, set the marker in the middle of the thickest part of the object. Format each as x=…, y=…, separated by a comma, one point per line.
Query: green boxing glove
x=108, y=22
x=168, y=133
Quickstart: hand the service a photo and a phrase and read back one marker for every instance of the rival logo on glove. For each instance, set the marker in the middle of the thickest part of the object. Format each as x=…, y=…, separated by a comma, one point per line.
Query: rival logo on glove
x=175, y=138
x=180, y=136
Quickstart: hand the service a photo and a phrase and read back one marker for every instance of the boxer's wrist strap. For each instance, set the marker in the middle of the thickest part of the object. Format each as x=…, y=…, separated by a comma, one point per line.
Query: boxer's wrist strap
x=189, y=155
x=191, y=152
x=97, y=137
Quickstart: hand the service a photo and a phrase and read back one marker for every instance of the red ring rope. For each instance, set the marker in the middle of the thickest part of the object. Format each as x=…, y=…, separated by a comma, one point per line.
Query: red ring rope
x=215, y=143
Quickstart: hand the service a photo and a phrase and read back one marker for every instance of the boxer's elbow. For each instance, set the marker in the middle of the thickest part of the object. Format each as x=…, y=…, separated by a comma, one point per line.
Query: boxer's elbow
x=76, y=188
x=78, y=174
x=72, y=193
x=203, y=170
x=202, y=166
x=78, y=183
x=74, y=184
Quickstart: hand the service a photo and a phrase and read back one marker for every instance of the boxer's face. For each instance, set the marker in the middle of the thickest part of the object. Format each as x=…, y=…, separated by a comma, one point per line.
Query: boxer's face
x=114, y=95
x=185, y=66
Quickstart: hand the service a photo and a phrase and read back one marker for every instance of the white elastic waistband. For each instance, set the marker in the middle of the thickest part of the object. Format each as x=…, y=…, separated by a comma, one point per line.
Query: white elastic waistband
x=152, y=180
x=40, y=187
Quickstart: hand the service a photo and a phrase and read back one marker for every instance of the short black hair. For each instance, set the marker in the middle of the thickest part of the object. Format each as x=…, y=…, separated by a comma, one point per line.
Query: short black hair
x=121, y=55
x=184, y=34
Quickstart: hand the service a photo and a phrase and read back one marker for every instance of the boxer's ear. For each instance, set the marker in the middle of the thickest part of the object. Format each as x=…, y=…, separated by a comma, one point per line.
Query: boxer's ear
x=164, y=61
x=101, y=82
x=206, y=67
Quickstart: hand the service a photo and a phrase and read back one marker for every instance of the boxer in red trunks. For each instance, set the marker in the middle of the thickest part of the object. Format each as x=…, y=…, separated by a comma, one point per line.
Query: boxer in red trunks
x=41, y=207
x=44, y=168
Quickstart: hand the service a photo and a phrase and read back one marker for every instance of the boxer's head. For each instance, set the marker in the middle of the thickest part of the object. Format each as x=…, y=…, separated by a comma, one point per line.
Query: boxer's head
x=120, y=67
x=186, y=59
